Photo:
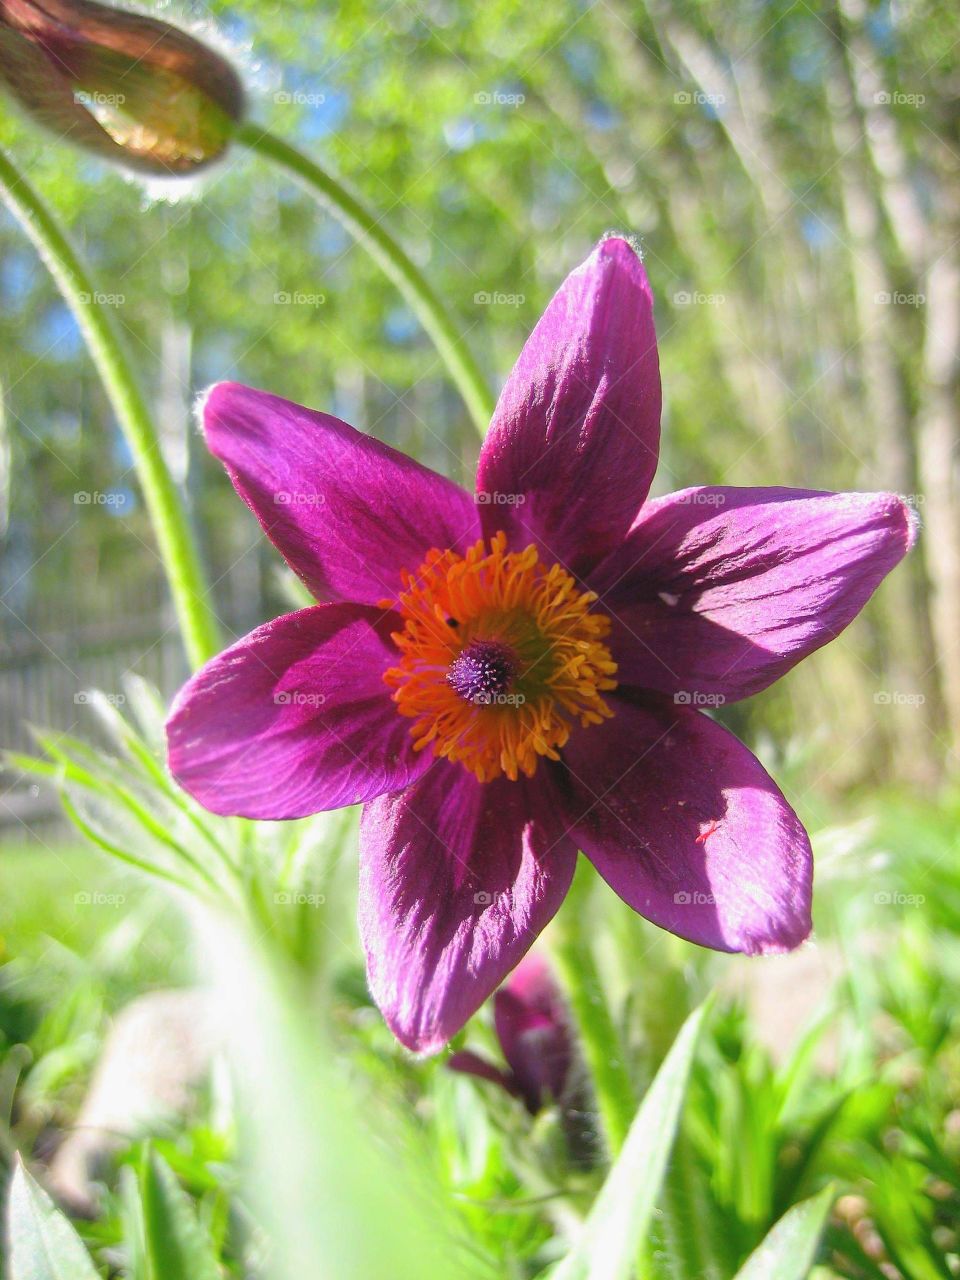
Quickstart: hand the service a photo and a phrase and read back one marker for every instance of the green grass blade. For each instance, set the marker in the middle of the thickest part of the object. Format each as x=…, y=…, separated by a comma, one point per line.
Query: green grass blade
x=176, y=1246
x=117, y=851
x=789, y=1248
x=334, y=1196
x=621, y=1215
x=692, y=1240
x=43, y=1245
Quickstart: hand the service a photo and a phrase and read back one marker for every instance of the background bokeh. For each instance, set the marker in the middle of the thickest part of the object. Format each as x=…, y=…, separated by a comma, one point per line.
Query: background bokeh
x=791, y=171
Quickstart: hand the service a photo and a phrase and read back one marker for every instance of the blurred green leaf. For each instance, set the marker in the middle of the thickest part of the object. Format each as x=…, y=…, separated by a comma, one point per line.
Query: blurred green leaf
x=43, y=1244
x=788, y=1251
x=325, y=1183
x=622, y=1212
x=176, y=1246
x=693, y=1239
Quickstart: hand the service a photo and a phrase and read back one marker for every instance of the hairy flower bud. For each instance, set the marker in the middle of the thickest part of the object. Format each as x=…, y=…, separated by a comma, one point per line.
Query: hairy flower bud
x=534, y=1032
x=131, y=88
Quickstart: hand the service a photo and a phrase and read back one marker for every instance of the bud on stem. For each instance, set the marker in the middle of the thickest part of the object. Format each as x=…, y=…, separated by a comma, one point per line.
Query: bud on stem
x=130, y=88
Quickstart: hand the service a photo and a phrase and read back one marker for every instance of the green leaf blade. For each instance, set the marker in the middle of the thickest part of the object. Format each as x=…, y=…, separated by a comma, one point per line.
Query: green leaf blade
x=788, y=1250
x=43, y=1244
x=621, y=1216
x=176, y=1245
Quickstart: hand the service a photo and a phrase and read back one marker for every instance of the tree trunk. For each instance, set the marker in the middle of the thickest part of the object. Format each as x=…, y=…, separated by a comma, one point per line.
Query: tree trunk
x=938, y=450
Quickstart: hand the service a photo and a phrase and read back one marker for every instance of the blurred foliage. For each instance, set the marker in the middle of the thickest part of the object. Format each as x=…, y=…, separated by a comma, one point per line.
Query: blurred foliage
x=865, y=1098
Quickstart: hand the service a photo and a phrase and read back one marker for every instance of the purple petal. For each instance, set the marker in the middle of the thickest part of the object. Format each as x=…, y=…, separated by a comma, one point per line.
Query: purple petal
x=457, y=878
x=718, y=592
x=346, y=512
x=295, y=718
x=574, y=441
x=688, y=828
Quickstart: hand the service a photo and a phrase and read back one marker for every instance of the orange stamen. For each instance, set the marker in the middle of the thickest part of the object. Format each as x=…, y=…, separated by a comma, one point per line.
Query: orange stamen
x=508, y=598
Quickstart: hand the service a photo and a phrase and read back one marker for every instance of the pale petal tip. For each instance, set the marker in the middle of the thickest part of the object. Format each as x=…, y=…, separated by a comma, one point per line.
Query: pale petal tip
x=909, y=514
x=421, y=1041
x=420, y=1047
x=621, y=254
x=787, y=938
x=895, y=515
x=902, y=518
x=200, y=404
x=616, y=242
x=210, y=401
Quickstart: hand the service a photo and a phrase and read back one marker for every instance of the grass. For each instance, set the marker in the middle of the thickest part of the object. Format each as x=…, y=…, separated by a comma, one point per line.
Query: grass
x=865, y=1096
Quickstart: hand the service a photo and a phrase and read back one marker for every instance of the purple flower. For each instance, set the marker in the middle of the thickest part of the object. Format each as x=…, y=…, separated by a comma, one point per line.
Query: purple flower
x=534, y=1033
x=507, y=677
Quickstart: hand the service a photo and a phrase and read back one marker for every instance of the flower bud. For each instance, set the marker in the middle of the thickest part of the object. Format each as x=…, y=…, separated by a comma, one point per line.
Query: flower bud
x=130, y=88
x=534, y=1033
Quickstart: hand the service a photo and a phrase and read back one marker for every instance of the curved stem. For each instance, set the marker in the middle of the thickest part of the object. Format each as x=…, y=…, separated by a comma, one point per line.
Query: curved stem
x=369, y=231
x=599, y=1040
x=176, y=544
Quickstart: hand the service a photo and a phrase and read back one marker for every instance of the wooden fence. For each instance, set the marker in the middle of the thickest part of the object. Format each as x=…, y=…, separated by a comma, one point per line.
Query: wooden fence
x=47, y=670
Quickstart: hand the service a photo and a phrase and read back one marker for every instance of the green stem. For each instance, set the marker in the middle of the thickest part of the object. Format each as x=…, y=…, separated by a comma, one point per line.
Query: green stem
x=599, y=1040
x=369, y=231
x=177, y=547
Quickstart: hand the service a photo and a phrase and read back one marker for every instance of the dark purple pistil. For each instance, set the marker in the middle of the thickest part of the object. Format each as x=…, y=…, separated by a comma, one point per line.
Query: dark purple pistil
x=482, y=673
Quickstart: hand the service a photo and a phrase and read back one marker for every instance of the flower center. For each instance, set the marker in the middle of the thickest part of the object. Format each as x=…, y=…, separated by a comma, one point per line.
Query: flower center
x=499, y=657
x=482, y=672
